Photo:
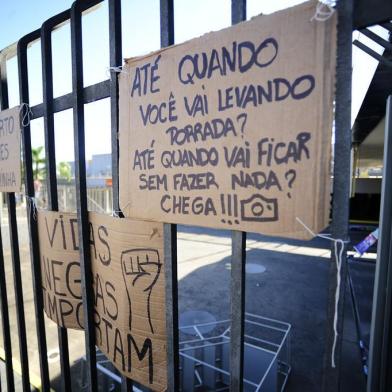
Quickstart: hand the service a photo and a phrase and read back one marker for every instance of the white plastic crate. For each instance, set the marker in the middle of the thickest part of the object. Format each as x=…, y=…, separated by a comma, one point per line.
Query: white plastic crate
x=205, y=355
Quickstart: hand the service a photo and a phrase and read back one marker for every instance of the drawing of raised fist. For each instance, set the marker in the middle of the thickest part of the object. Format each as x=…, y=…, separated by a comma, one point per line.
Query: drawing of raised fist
x=140, y=269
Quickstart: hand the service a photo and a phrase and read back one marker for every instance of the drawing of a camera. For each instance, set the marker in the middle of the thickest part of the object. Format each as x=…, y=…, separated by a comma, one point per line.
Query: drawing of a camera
x=259, y=209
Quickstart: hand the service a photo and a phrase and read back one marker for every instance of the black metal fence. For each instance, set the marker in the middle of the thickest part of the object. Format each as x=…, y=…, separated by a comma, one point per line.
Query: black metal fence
x=349, y=17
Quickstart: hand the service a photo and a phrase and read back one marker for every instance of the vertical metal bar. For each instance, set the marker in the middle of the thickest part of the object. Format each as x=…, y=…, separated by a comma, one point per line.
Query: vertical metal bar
x=381, y=319
x=171, y=293
x=32, y=223
x=170, y=241
x=3, y=284
x=115, y=48
x=238, y=11
x=51, y=178
x=115, y=44
x=47, y=84
x=5, y=323
x=238, y=278
x=81, y=193
x=14, y=241
x=20, y=315
x=341, y=189
x=238, y=261
x=15, y=256
x=167, y=22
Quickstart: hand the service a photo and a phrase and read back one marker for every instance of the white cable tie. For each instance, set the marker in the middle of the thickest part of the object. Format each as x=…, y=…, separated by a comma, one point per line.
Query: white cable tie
x=118, y=69
x=324, y=10
x=338, y=257
x=26, y=114
x=115, y=213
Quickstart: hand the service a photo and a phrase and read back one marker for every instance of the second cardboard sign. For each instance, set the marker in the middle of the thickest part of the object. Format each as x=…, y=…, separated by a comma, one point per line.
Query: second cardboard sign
x=129, y=295
x=10, y=160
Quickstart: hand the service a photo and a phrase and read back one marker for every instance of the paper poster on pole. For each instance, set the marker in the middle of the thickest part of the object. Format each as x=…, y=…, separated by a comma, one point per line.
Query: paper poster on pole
x=233, y=129
x=129, y=288
x=10, y=158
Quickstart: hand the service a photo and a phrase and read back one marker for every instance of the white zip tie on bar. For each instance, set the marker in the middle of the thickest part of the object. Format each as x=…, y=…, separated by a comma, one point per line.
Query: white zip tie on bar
x=26, y=114
x=118, y=69
x=324, y=10
x=115, y=213
x=338, y=257
x=32, y=206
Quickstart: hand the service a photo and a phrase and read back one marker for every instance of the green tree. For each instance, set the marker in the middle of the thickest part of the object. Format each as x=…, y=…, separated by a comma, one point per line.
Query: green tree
x=39, y=164
x=64, y=171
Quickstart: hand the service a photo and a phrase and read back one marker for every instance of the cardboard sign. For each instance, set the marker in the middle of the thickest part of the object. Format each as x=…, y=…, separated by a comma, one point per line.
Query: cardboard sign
x=232, y=130
x=129, y=288
x=60, y=268
x=10, y=175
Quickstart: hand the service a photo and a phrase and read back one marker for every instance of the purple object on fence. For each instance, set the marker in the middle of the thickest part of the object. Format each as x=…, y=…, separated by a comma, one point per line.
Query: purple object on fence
x=366, y=243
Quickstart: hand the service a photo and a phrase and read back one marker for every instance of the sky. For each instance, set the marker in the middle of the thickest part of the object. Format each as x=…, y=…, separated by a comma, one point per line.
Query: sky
x=141, y=34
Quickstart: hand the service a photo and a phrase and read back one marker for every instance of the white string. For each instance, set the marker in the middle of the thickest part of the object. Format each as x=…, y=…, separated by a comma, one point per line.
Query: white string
x=32, y=206
x=26, y=114
x=338, y=258
x=324, y=10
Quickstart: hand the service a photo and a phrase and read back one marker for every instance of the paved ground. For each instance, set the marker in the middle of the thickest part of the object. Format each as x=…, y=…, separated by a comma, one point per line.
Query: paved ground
x=292, y=289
